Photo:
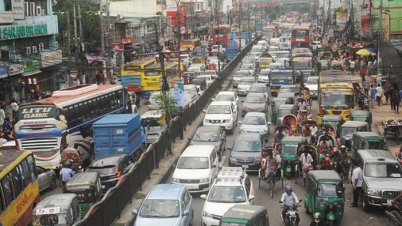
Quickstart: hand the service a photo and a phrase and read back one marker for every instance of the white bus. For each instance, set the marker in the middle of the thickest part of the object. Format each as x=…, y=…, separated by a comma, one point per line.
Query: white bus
x=48, y=126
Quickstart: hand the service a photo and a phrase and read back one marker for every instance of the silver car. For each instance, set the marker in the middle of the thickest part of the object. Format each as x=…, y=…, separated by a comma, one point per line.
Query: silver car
x=254, y=102
x=248, y=67
x=153, y=103
x=210, y=135
x=244, y=85
x=260, y=88
x=255, y=122
x=238, y=75
x=47, y=178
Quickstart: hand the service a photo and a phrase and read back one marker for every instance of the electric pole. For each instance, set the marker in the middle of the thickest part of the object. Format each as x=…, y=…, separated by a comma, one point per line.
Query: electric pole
x=75, y=32
x=178, y=20
x=101, y=9
x=108, y=44
x=219, y=43
x=239, y=12
x=82, y=49
x=379, y=38
x=70, y=82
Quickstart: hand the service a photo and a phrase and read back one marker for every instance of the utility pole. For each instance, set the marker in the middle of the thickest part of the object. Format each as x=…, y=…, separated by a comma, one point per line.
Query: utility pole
x=101, y=22
x=108, y=44
x=70, y=82
x=239, y=12
x=82, y=49
x=219, y=49
x=75, y=32
x=178, y=18
x=379, y=38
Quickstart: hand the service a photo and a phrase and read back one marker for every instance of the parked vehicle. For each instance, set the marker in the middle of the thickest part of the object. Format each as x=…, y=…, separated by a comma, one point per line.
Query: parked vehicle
x=245, y=215
x=210, y=135
x=166, y=204
x=47, y=178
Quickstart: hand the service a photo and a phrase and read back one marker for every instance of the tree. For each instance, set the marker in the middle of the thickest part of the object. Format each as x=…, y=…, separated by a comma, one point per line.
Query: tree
x=168, y=105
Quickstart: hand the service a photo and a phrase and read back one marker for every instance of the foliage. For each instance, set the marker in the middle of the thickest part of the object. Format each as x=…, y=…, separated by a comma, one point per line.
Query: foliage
x=91, y=28
x=168, y=105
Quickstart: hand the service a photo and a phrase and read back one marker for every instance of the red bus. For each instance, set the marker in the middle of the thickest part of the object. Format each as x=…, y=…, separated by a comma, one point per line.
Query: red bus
x=221, y=35
x=300, y=37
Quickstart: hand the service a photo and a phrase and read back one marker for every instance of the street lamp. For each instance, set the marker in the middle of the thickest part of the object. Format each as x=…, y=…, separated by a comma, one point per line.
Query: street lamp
x=178, y=24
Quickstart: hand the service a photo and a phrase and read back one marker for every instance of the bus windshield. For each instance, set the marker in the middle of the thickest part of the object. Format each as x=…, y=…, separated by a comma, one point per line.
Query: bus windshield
x=297, y=64
x=337, y=99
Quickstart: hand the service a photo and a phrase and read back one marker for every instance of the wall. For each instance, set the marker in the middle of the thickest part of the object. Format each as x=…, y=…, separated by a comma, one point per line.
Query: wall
x=144, y=7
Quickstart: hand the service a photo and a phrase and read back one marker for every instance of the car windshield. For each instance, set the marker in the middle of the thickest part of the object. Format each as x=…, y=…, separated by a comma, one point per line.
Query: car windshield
x=247, y=81
x=206, y=136
x=265, y=61
x=282, y=55
x=227, y=194
x=329, y=191
x=222, y=97
x=193, y=163
x=159, y=208
x=254, y=120
x=247, y=67
x=241, y=74
x=103, y=170
x=375, y=144
x=258, y=89
x=385, y=170
x=289, y=149
x=254, y=99
x=219, y=109
x=247, y=146
x=347, y=131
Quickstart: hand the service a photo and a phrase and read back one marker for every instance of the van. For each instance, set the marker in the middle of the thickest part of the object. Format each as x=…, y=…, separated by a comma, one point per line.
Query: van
x=247, y=215
x=153, y=122
x=190, y=93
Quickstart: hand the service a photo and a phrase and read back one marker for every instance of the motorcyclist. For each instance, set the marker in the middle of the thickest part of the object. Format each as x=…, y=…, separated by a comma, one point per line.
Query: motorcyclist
x=361, y=97
x=289, y=200
x=317, y=220
x=279, y=135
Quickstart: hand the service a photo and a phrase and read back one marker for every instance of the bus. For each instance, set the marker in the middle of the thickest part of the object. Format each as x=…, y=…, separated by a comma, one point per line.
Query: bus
x=270, y=31
x=19, y=190
x=189, y=44
x=221, y=35
x=153, y=76
x=300, y=37
x=48, y=126
x=335, y=99
x=132, y=74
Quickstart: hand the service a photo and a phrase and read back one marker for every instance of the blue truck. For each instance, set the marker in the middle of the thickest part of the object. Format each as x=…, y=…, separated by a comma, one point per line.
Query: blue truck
x=119, y=134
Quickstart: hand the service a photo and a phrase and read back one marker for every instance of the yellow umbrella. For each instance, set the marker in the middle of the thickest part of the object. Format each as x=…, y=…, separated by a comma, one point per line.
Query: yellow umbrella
x=363, y=52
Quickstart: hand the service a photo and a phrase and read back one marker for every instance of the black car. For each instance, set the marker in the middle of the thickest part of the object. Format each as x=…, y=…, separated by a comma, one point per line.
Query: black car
x=111, y=168
x=211, y=135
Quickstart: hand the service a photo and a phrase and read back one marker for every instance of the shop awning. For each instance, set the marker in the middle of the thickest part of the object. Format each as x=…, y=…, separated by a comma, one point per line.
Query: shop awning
x=31, y=73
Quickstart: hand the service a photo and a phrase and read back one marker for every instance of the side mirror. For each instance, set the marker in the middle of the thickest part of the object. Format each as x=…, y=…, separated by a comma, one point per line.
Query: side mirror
x=134, y=212
x=205, y=111
x=203, y=196
x=251, y=197
x=186, y=213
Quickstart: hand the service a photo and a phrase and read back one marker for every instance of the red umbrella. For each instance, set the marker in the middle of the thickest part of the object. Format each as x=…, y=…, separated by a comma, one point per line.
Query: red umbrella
x=357, y=46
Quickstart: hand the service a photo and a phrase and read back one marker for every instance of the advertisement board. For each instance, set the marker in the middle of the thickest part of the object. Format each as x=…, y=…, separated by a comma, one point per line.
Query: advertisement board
x=18, y=9
x=386, y=27
x=51, y=58
x=3, y=71
x=179, y=92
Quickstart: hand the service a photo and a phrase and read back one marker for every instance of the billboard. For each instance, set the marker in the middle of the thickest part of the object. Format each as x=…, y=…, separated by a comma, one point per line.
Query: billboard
x=386, y=26
x=366, y=24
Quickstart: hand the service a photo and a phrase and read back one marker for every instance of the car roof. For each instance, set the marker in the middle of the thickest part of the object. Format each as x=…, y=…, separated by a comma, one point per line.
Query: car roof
x=198, y=151
x=220, y=102
x=62, y=200
x=226, y=93
x=152, y=113
x=259, y=84
x=107, y=160
x=374, y=155
x=368, y=134
x=255, y=114
x=166, y=191
x=354, y=124
x=255, y=94
x=325, y=175
x=248, y=136
x=208, y=128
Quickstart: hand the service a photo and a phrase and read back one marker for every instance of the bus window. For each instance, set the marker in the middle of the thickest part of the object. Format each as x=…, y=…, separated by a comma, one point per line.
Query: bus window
x=26, y=177
x=1, y=200
x=15, y=174
x=31, y=164
x=8, y=195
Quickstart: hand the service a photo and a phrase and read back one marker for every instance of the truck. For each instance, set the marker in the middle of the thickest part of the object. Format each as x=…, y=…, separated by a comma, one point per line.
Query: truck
x=119, y=134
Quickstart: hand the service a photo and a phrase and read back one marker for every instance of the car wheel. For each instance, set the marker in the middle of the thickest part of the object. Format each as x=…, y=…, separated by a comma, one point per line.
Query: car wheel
x=53, y=183
x=365, y=204
x=192, y=219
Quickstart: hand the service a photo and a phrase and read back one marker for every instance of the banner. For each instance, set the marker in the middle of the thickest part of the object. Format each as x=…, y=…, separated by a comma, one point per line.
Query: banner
x=3, y=71
x=366, y=25
x=386, y=27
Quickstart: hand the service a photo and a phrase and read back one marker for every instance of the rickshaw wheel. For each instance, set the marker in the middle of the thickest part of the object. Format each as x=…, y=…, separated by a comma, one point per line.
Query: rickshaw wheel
x=259, y=178
x=296, y=174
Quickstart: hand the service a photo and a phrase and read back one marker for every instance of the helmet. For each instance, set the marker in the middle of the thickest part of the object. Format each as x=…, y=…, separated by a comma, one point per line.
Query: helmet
x=317, y=215
x=288, y=188
x=343, y=146
x=67, y=163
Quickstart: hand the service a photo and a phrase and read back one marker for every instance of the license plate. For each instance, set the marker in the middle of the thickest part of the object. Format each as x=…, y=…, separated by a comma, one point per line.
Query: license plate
x=389, y=202
x=192, y=186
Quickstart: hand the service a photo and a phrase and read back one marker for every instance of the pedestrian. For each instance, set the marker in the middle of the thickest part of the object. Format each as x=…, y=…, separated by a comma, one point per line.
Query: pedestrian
x=386, y=87
x=66, y=173
x=307, y=164
x=7, y=127
x=400, y=97
x=378, y=94
x=357, y=182
x=366, y=86
x=390, y=94
x=14, y=108
x=352, y=65
x=373, y=91
x=395, y=100
x=317, y=220
x=363, y=71
x=2, y=117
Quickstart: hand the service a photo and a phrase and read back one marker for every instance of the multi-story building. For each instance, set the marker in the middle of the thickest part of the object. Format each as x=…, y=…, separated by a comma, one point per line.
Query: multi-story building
x=29, y=54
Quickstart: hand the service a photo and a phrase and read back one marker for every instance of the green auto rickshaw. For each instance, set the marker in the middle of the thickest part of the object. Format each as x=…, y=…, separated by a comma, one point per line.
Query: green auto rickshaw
x=87, y=186
x=276, y=102
x=245, y=215
x=325, y=194
x=335, y=121
x=367, y=140
x=348, y=128
x=289, y=151
x=362, y=115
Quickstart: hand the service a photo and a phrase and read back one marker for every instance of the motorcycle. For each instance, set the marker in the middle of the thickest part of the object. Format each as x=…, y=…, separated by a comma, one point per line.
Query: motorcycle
x=394, y=213
x=291, y=215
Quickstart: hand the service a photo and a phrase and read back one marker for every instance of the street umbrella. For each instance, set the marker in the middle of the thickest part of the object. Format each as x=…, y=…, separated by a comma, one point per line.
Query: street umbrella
x=357, y=46
x=363, y=52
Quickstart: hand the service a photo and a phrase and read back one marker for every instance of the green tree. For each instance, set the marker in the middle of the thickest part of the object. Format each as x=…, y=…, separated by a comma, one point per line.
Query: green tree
x=168, y=105
x=91, y=27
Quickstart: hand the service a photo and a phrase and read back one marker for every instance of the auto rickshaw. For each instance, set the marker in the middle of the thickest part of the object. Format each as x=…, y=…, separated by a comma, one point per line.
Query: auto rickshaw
x=87, y=186
x=290, y=121
x=283, y=110
x=284, y=128
x=348, y=128
x=276, y=102
x=325, y=194
x=289, y=151
x=335, y=121
x=247, y=215
x=72, y=155
x=261, y=173
x=367, y=140
x=326, y=147
x=58, y=209
x=362, y=115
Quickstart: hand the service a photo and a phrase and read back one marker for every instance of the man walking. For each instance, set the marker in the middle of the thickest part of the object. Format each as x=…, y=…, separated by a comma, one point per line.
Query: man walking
x=357, y=182
x=366, y=86
x=378, y=94
x=2, y=117
x=387, y=87
x=352, y=65
x=373, y=91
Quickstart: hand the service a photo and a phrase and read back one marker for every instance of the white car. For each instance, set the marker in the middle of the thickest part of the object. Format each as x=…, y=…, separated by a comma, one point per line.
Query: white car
x=243, y=86
x=318, y=44
x=263, y=77
x=221, y=113
x=273, y=49
x=153, y=102
x=312, y=85
x=228, y=96
x=232, y=186
x=197, y=168
x=208, y=78
x=210, y=72
x=185, y=59
x=239, y=75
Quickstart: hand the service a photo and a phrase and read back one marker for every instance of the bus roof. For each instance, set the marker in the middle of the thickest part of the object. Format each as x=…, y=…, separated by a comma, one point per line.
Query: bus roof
x=167, y=65
x=76, y=93
x=9, y=156
x=301, y=28
x=141, y=61
x=337, y=85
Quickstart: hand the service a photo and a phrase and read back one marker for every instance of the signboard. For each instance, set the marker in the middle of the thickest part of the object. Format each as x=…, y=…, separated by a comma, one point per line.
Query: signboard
x=3, y=71
x=179, y=92
x=22, y=31
x=51, y=58
x=366, y=24
x=171, y=8
x=6, y=17
x=18, y=9
x=386, y=27
x=37, y=112
x=51, y=210
x=31, y=64
x=73, y=73
x=128, y=40
x=15, y=69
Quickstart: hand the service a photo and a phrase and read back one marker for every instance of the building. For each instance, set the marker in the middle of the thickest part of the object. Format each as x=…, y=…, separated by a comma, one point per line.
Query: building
x=29, y=54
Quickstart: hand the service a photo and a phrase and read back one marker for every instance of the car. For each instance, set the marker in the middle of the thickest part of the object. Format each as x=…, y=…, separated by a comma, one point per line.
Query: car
x=197, y=168
x=238, y=75
x=47, y=178
x=153, y=101
x=218, y=48
x=246, y=151
x=255, y=122
x=210, y=135
x=256, y=55
x=254, y=102
x=249, y=60
x=110, y=169
x=283, y=61
x=208, y=78
x=263, y=76
x=260, y=88
x=284, y=46
x=185, y=59
x=257, y=48
x=318, y=44
x=210, y=72
x=243, y=86
x=282, y=54
x=232, y=186
x=150, y=120
x=221, y=113
x=166, y=204
x=312, y=84
x=248, y=67
x=273, y=49
x=228, y=96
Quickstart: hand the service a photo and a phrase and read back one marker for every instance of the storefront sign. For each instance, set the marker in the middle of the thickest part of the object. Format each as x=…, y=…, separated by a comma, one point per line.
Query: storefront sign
x=31, y=65
x=16, y=69
x=73, y=73
x=6, y=17
x=18, y=9
x=22, y=31
x=51, y=58
x=128, y=40
x=3, y=71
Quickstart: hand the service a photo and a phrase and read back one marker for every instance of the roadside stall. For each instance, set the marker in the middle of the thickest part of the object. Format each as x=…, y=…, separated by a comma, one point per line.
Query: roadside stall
x=393, y=127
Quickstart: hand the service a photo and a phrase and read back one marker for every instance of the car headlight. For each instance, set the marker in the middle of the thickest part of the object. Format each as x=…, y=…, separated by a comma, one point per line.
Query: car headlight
x=204, y=180
x=231, y=159
x=175, y=180
x=371, y=191
x=257, y=161
x=225, y=120
x=206, y=214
